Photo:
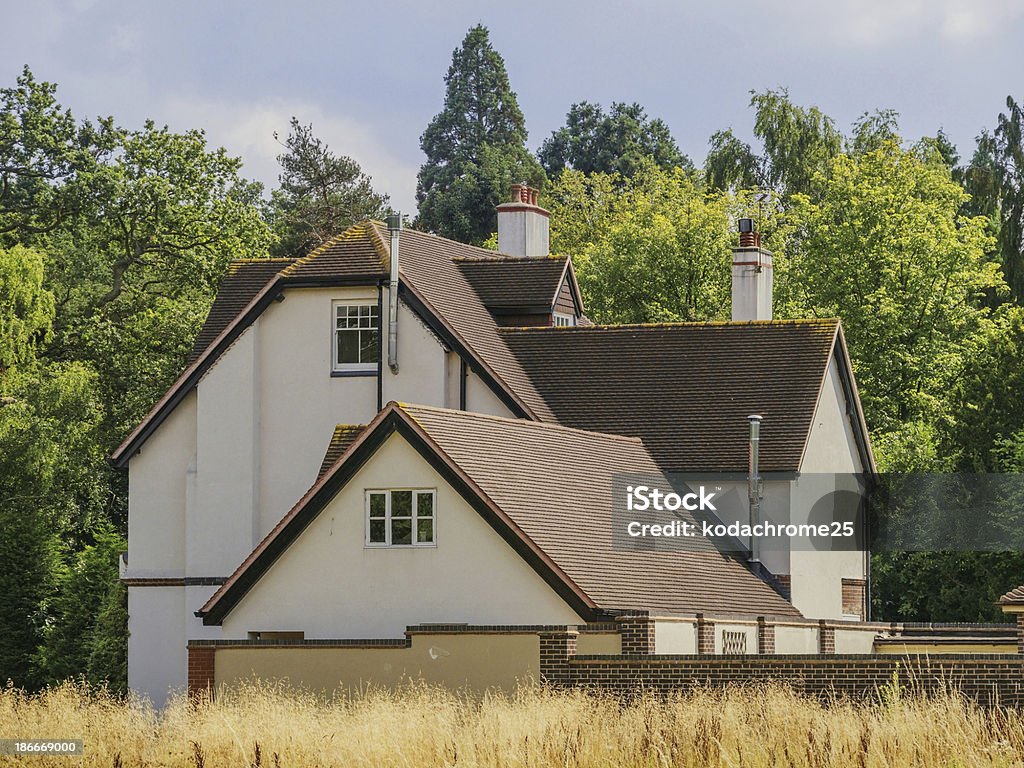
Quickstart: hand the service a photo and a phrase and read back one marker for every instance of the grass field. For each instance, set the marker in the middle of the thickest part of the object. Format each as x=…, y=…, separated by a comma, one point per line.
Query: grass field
x=421, y=726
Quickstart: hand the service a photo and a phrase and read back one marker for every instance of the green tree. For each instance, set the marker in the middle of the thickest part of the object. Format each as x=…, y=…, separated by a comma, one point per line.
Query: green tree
x=320, y=194
x=621, y=141
x=798, y=144
x=71, y=639
x=475, y=147
x=886, y=248
x=26, y=309
x=731, y=164
x=652, y=248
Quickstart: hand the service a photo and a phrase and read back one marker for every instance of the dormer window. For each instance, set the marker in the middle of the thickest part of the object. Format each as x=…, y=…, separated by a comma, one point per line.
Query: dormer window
x=356, y=336
x=560, y=320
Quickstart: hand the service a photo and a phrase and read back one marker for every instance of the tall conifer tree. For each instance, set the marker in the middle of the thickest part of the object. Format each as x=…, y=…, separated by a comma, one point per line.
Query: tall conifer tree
x=475, y=147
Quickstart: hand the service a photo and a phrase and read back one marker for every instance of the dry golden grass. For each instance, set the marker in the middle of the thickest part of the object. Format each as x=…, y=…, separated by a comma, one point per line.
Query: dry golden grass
x=267, y=726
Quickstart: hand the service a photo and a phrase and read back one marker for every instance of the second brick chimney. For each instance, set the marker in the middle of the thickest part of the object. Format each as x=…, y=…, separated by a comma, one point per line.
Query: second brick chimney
x=522, y=224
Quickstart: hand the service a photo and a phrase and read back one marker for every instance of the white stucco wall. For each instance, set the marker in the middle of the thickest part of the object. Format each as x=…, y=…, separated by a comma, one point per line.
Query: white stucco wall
x=157, y=482
x=673, y=636
x=221, y=526
x=328, y=584
x=157, y=656
x=481, y=399
x=830, y=461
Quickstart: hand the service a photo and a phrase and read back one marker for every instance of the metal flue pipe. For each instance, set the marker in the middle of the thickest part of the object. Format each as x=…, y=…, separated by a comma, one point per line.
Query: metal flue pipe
x=754, y=488
x=395, y=228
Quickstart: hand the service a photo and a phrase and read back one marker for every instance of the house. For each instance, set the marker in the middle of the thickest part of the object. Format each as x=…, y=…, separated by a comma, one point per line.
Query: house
x=399, y=438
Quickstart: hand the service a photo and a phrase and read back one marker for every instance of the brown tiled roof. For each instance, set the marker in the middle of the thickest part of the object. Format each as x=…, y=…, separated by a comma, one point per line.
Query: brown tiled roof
x=513, y=283
x=686, y=389
x=565, y=507
x=354, y=253
x=242, y=281
x=428, y=266
x=344, y=435
x=1013, y=597
x=559, y=510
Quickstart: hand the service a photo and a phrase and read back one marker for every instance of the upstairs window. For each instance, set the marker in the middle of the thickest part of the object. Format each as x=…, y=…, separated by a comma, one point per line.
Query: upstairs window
x=400, y=517
x=563, y=321
x=356, y=336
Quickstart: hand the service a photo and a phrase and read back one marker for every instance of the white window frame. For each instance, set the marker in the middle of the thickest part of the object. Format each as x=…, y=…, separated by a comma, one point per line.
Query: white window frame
x=338, y=367
x=562, y=320
x=416, y=517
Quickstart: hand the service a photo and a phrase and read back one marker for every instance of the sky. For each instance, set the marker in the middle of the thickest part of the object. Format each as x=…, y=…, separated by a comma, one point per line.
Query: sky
x=369, y=75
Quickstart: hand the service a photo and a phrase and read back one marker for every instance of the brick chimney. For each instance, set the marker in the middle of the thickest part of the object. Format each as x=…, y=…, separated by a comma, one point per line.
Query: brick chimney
x=522, y=224
x=751, y=276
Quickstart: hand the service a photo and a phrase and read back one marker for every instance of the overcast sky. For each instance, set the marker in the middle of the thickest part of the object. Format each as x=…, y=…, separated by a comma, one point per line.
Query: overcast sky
x=369, y=75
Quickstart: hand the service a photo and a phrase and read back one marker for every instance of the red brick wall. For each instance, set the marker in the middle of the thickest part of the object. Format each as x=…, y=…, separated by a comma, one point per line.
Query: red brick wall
x=854, y=596
x=200, y=669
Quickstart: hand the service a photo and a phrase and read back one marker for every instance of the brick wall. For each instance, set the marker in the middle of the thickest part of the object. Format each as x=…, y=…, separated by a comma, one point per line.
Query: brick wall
x=854, y=597
x=1020, y=633
x=826, y=637
x=556, y=648
x=200, y=669
x=987, y=678
x=705, y=635
x=765, y=636
x=637, y=634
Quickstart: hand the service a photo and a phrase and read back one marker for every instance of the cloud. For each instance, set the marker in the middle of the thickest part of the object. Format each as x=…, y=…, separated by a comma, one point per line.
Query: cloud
x=247, y=130
x=870, y=23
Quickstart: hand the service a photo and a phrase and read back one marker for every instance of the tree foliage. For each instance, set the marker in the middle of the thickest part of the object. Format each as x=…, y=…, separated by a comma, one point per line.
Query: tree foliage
x=319, y=195
x=475, y=147
x=622, y=141
x=652, y=248
x=111, y=243
x=885, y=248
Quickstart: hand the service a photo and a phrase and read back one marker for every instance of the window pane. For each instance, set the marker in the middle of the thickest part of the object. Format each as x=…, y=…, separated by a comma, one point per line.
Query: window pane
x=425, y=531
x=348, y=346
x=425, y=504
x=377, y=504
x=368, y=350
x=376, y=531
x=401, y=503
x=401, y=531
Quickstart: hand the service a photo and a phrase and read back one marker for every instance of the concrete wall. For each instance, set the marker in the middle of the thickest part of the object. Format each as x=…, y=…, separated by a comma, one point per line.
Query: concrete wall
x=599, y=642
x=476, y=662
x=328, y=584
x=673, y=636
x=796, y=639
x=856, y=640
